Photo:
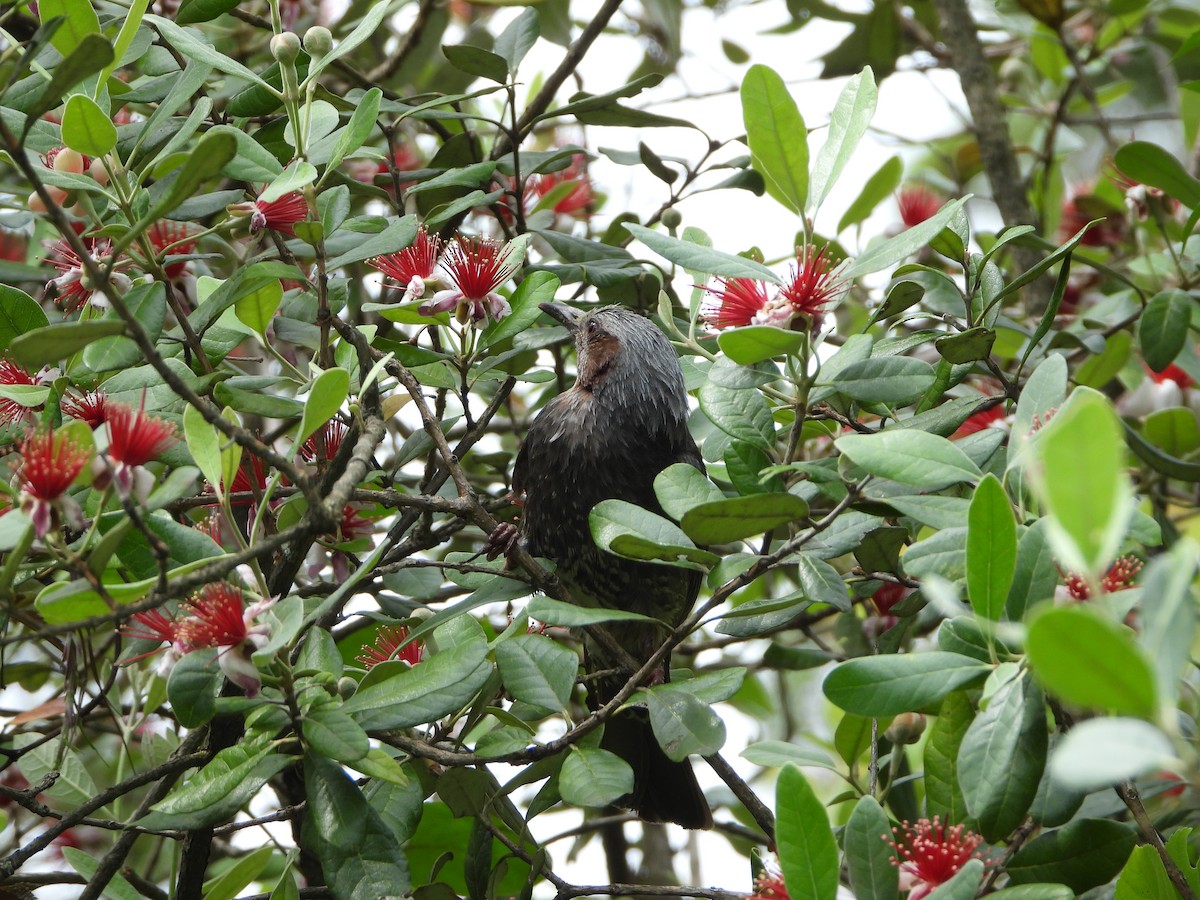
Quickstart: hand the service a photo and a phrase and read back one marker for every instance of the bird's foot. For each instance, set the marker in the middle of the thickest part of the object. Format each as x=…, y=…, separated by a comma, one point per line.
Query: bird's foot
x=657, y=676
x=502, y=541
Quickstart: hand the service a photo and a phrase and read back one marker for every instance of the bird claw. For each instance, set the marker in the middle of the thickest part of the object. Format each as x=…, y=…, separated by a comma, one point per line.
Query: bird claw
x=502, y=541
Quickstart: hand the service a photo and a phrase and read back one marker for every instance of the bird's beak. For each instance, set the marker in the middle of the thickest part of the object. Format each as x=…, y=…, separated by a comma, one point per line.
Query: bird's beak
x=567, y=315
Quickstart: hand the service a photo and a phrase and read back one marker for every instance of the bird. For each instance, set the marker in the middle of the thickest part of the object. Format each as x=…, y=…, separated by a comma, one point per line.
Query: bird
x=622, y=422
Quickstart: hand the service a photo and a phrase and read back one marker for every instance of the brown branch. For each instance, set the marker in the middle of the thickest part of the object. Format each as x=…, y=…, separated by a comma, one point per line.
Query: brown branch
x=1128, y=793
x=762, y=815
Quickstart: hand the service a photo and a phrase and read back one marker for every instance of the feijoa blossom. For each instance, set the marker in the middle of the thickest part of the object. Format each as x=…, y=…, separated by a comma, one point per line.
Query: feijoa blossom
x=929, y=853
x=769, y=885
x=218, y=617
x=476, y=267
x=13, y=374
x=737, y=302
x=49, y=464
x=389, y=645
x=90, y=407
x=917, y=203
x=413, y=266
x=281, y=214
x=331, y=434
x=814, y=283
x=72, y=288
x=134, y=439
x=1119, y=577
x=174, y=239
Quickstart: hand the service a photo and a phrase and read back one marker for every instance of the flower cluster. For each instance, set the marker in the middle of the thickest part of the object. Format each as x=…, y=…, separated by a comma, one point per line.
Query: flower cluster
x=1119, y=577
x=134, y=439
x=215, y=617
x=50, y=463
x=813, y=284
x=929, y=854
x=413, y=267
x=390, y=645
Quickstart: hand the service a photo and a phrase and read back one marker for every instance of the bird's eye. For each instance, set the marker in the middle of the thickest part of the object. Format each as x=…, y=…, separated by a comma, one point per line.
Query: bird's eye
x=592, y=327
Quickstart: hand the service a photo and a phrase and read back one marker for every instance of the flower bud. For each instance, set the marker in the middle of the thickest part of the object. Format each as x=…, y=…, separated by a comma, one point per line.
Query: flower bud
x=318, y=41
x=672, y=218
x=68, y=160
x=346, y=687
x=285, y=47
x=98, y=171
x=906, y=728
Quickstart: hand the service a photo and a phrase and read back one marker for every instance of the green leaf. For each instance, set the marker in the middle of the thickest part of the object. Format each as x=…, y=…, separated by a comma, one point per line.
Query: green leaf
x=366, y=27
x=329, y=391
x=735, y=518
x=253, y=162
x=943, y=794
x=80, y=21
x=360, y=855
x=357, y=131
x=681, y=486
x=1036, y=576
x=86, y=127
x=193, y=46
x=822, y=583
x=193, y=687
x=903, y=245
x=1151, y=165
x=755, y=343
x=194, y=11
x=1086, y=659
x=881, y=185
x=777, y=136
x=778, y=754
x=966, y=346
x=73, y=786
x=1084, y=484
x=851, y=115
x=518, y=38
x=698, y=258
x=477, y=61
x=405, y=697
x=868, y=855
x=118, y=888
x=231, y=881
x=90, y=55
x=808, y=853
x=19, y=313
x=204, y=444
x=1002, y=756
x=555, y=612
x=258, y=403
x=743, y=415
x=1144, y=877
x=1163, y=327
x=1099, y=753
x=256, y=309
x=537, y=671
x=886, y=379
x=1045, y=390
x=398, y=235
x=886, y=685
x=52, y=343
x=635, y=533
x=210, y=156
x=1097, y=371
x=536, y=288
x=991, y=548
x=683, y=723
x=226, y=783
x=910, y=457
x=592, y=777
x=963, y=886
x=1082, y=855
x=333, y=734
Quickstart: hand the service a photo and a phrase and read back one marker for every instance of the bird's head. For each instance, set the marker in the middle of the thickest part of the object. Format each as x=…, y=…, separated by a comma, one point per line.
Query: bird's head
x=624, y=358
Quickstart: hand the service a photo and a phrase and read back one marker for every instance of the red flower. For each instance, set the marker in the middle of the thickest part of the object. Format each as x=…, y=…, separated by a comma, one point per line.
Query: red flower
x=977, y=422
x=332, y=434
x=13, y=373
x=154, y=625
x=412, y=266
x=813, y=284
x=135, y=438
x=1084, y=207
x=279, y=215
x=215, y=617
x=387, y=646
x=741, y=301
x=768, y=885
x=12, y=246
x=931, y=854
x=176, y=237
x=917, y=202
x=1171, y=373
x=90, y=407
x=576, y=201
x=476, y=267
x=49, y=464
x=1119, y=577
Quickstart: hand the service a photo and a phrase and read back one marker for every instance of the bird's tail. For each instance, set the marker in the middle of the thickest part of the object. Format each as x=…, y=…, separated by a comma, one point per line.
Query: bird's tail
x=663, y=790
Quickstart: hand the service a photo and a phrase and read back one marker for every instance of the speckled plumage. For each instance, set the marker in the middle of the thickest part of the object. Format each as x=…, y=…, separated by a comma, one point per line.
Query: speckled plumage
x=623, y=422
